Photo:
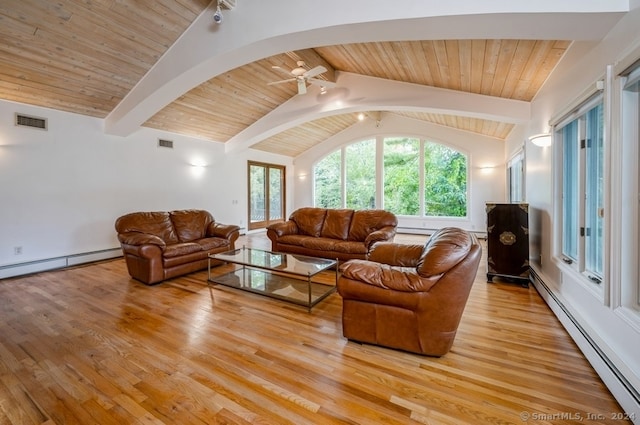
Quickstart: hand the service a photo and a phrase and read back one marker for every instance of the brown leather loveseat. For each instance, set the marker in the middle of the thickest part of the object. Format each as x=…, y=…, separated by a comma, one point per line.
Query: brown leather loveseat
x=162, y=245
x=332, y=233
x=410, y=297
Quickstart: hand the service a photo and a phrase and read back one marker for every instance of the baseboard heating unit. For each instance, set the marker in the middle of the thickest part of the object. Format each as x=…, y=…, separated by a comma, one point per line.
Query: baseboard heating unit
x=429, y=231
x=622, y=389
x=28, y=267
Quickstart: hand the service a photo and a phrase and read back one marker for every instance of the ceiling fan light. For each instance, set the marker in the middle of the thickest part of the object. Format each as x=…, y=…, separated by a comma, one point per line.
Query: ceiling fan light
x=302, y=86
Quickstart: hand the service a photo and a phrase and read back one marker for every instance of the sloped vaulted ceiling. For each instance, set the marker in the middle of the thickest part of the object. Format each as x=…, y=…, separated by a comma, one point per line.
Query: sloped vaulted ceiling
x=166, y=65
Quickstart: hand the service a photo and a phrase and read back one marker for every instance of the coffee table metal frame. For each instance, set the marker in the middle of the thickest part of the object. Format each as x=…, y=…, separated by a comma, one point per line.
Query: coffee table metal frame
x=275, y=274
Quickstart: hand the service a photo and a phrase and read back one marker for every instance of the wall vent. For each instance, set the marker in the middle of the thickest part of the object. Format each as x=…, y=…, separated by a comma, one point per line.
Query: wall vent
x=29, y=121
x=165, y=143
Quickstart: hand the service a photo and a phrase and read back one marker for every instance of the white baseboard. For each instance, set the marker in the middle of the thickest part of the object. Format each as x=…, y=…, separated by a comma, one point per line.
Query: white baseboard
x=20, y=269
x=620, y=387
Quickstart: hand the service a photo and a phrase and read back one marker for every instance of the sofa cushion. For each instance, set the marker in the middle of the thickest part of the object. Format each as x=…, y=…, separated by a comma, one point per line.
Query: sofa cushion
x=444, y=249
x=325, y=244
x=309, y=220
x=212, y=243
x=292, y=240
x=190, y=224
x=320, y=244
x=365, y=222
x=183, y=248
x=351, y=247
x=153, y=223
x=336, y=224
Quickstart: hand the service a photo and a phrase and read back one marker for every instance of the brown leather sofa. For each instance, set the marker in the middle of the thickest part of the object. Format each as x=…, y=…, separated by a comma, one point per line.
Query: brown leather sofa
x=332, y=233
x=162, y=245
x=410, y=297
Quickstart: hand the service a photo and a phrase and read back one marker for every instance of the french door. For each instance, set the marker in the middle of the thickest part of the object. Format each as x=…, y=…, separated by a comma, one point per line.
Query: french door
x=266, y=194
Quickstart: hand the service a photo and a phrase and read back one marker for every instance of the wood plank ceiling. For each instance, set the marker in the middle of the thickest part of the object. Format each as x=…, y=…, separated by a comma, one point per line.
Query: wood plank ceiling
x=84, y=57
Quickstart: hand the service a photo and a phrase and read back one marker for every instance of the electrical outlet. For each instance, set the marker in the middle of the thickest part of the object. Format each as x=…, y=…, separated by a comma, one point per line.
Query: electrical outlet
x=17, y=250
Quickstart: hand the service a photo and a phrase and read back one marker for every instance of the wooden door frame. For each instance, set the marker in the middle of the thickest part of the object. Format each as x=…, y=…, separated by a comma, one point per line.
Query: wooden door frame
x=283, y=186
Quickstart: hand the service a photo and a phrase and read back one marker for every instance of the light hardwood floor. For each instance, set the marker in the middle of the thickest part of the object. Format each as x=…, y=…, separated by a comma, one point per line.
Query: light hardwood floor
x=89, y=345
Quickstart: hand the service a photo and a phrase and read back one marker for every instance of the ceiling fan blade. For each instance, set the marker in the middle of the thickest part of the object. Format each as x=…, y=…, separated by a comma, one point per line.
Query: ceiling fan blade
x=302, y=86
x=314, y=71
x=281, y=81
x=322, y=83
x=284, y=71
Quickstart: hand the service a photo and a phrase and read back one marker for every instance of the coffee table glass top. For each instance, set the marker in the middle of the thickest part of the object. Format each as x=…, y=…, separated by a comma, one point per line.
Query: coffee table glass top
x=300, y=265
x=288, y=277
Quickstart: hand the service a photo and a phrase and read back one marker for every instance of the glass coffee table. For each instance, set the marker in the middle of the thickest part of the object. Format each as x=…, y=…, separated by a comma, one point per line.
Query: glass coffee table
x=287, y=277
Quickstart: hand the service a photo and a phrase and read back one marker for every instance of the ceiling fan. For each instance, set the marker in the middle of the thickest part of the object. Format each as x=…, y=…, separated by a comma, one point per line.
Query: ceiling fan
x=303, y=76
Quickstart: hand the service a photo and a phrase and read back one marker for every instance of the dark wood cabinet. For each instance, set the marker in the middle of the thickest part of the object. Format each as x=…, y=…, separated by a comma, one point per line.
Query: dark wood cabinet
x=508, y=242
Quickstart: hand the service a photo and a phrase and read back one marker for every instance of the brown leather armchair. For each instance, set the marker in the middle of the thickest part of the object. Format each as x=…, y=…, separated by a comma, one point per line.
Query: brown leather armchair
x=410, y=297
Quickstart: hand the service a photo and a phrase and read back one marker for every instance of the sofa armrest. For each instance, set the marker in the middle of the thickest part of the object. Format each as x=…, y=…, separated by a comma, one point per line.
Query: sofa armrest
x=148, y=251
x=403, y=279
x=395, y=254
x=277, y=230
x=225, y=231
x=384, y=234
x=138, y=238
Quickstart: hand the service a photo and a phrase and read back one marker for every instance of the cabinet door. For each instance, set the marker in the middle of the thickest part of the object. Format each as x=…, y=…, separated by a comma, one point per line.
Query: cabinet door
x=508, y=241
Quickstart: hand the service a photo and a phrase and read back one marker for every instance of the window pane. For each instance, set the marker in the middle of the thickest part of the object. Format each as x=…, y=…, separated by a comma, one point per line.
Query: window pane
x=326, y=173
x=594, y=206
x=630, y=173
x=570, y=197
x=445, y=181
x=516, y=179
x=361, y=175
x=402, y=176
x=258, y=190
x=276, y=185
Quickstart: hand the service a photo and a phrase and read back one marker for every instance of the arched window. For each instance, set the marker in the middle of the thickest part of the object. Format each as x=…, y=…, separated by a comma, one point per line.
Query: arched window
x=327, y=183
x=360, y=182
x=404, y=175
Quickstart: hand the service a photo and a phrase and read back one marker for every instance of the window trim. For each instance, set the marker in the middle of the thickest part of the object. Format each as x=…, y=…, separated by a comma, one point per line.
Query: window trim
x=379, y=172
x=626, y=297
x=577, y=268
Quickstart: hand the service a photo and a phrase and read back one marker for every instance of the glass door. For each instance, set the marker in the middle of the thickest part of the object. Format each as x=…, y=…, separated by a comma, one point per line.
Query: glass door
x=266, y=194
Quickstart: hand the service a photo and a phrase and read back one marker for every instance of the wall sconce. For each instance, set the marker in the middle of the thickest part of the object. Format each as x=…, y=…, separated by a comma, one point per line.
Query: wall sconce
x=374, y=115
x=541, y=140
x=197, y=167
x=486, y=169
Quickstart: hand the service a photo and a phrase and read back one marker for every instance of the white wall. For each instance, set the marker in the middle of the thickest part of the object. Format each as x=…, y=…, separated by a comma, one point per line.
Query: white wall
x=63, y=189
x=486, y=165
x=597, y=312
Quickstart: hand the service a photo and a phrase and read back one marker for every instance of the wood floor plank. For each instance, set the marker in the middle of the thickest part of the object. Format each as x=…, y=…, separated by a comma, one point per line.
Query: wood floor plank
x=89, y=344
